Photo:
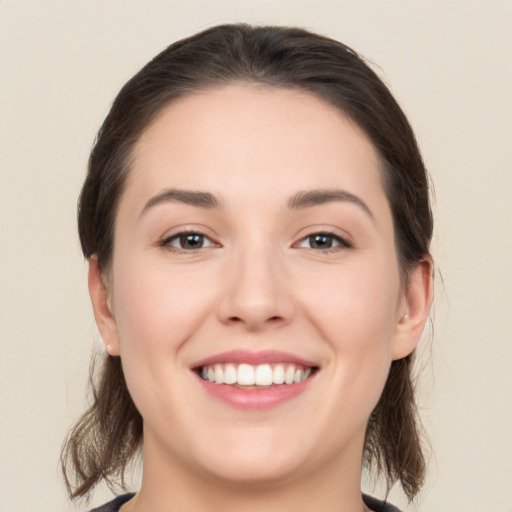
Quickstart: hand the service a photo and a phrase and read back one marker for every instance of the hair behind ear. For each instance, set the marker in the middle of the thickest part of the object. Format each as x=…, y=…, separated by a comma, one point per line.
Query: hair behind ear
x=394, y=433
x=106, y=437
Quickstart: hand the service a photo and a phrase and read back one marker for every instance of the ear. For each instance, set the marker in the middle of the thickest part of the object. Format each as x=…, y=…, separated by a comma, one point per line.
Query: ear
x=414, y=309
x=101, y=298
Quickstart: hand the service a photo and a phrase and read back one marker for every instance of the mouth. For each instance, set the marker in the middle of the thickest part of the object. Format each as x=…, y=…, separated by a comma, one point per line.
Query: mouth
x=255, y=376
x=254, y=381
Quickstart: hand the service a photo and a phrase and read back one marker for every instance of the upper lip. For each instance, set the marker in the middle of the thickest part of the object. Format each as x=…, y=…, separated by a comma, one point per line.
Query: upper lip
x=253, y=358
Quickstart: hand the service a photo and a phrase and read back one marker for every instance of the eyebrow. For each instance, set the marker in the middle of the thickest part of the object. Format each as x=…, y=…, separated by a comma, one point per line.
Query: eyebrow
x=193, y=198
x=300, y=200
x=309, y=198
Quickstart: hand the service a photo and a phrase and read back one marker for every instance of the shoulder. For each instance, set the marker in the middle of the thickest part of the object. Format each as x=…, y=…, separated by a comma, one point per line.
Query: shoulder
x=114, y=505
x=378, y=505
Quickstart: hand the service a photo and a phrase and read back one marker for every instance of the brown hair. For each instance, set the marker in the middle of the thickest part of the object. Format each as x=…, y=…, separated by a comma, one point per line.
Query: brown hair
x=109, y=434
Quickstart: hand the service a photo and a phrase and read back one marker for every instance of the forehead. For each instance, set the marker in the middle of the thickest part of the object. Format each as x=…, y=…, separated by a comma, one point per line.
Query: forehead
x=272, y=139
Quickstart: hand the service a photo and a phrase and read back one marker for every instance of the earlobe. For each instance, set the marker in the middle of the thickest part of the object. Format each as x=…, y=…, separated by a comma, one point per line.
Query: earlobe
x=417, y=301
x=102, y=307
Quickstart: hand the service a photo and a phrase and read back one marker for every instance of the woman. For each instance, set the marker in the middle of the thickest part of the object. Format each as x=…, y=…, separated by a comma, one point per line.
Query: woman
x=257, y=224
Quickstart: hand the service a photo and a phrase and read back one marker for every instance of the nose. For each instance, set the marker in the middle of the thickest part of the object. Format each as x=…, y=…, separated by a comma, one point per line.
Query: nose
x=256, y=292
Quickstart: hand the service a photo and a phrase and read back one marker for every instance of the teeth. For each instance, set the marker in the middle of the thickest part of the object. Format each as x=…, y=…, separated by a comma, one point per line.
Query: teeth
x=219, y=374
x=245, y=375
x=260, y=375
x=278, y=377
x=289, y=375
x=230, y=374
x=263, y=375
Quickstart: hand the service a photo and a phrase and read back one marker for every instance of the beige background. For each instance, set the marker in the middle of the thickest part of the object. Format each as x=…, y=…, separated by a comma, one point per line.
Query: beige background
x=448, y=63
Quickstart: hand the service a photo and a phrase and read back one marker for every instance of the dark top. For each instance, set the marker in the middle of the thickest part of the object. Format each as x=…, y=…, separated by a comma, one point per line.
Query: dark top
x=373, y=503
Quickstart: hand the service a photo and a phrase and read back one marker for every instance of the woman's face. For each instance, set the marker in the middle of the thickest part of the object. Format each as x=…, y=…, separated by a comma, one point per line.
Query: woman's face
x=254, y=244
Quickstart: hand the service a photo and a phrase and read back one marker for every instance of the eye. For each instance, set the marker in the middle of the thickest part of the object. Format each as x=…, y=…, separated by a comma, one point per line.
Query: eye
x=187, y=241
x=324, y=241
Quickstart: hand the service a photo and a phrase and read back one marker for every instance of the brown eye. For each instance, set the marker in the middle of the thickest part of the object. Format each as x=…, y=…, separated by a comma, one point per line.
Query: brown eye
x=187, y=241
x=323, y=241
x=320, y=241
x=191, y=241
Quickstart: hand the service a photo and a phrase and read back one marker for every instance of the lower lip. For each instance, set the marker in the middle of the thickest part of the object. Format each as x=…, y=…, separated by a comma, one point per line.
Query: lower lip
x=255, y=399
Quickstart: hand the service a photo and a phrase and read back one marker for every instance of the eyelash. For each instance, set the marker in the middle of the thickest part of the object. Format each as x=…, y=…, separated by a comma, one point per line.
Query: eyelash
x=341, y=242
x=166, y=243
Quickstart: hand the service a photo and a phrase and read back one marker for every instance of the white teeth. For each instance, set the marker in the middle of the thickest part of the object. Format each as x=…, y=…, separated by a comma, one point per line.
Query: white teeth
x=289, y=375
x=230, y=374
x=263, y=375
x=245, y=375
x=260, y=375
x=219, y=374
x=278, y=376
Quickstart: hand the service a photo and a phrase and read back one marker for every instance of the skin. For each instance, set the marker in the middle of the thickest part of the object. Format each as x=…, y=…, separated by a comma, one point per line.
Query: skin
x=257, y=284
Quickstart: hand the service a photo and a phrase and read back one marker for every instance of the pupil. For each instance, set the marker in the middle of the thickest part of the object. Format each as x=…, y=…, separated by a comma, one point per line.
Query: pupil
x=191, y=241
x=321, y=241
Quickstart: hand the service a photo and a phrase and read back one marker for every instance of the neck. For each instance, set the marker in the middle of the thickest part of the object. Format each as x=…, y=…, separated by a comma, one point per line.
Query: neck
x=178, y=488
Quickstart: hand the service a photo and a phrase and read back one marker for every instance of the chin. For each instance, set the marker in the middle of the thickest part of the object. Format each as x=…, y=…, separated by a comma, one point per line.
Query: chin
x=255, y=460
x=256, y=473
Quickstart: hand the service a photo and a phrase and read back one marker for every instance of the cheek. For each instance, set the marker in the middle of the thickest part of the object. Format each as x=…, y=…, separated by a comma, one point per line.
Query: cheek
x=157, y=312
x=157, y=308
x=356, y=316
x=350, y=302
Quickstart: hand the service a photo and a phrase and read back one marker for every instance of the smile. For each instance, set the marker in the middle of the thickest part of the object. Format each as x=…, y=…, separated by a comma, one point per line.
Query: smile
x=262, y=375
x=253, y=381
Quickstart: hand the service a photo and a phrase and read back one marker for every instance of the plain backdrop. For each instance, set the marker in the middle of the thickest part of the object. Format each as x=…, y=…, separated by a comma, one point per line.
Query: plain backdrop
x=448, y=64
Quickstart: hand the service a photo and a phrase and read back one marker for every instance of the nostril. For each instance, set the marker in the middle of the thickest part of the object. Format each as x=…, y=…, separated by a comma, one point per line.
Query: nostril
x=272, y=319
